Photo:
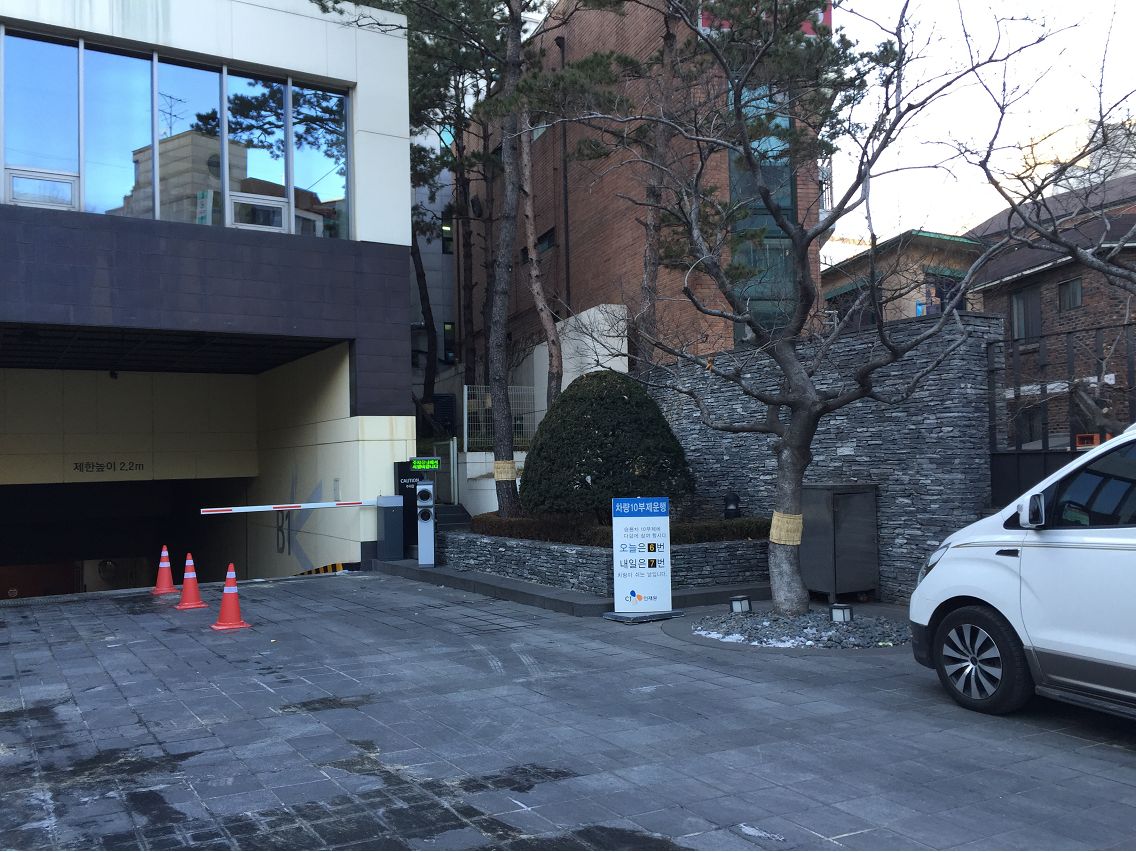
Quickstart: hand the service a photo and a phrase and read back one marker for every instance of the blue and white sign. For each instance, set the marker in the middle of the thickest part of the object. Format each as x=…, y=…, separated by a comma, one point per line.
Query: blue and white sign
x=641, y=552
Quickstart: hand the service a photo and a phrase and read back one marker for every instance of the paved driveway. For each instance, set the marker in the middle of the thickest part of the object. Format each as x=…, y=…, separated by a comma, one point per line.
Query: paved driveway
x=364, y=711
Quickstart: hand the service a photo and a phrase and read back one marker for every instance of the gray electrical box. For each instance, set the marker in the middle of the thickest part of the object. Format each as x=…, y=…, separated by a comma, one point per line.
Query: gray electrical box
x=839, y=543
x=390, y=545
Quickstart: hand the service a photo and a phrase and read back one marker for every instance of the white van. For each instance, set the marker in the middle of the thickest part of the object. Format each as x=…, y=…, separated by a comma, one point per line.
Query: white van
x=1040, y=597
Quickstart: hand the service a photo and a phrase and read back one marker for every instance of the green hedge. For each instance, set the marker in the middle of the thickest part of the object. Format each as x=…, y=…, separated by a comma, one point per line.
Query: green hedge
x=583, y=529
x=604, y=437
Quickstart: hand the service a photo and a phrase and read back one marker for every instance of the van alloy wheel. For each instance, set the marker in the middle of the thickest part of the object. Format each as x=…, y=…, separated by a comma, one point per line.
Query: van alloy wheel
x=980, y=660
x=972, y=661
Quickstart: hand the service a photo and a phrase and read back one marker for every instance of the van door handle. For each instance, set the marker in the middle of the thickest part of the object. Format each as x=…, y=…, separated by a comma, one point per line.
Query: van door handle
x=1008, y=551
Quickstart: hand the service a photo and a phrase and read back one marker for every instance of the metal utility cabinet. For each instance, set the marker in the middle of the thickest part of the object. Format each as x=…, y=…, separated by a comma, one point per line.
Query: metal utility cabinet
x=839, y=548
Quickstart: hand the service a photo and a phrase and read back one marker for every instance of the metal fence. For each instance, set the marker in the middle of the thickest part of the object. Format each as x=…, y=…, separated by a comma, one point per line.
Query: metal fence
x=447, y=480
x=1052, y=395
x=477, y=416
x=1062, y=391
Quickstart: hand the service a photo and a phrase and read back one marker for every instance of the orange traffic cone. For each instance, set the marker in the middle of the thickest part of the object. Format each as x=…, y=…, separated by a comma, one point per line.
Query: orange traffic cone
x=165, y=584
x=230, y=617
x=190, y=594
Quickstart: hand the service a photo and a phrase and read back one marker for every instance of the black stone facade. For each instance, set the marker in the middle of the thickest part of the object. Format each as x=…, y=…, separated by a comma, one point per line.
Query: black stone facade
x=589, y=569
x=929, y=456
x=80, y=269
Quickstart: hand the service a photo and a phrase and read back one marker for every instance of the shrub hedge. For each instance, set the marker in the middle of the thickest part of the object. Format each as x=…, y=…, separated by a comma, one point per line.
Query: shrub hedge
x=604, y=437
x=583, y=529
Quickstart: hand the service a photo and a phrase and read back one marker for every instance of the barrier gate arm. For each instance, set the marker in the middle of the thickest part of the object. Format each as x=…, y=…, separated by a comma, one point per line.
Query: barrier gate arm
x=289, y=507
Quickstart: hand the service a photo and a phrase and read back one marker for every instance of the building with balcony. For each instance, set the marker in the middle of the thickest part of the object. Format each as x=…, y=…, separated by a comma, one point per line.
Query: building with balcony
x=204, y=236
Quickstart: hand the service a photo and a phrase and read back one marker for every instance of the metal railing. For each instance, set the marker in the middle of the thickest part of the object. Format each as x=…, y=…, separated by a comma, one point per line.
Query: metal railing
x=1062, y=391
x=477, y=417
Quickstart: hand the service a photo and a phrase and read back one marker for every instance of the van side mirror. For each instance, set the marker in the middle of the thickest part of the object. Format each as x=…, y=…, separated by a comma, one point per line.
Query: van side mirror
x=1031, y=515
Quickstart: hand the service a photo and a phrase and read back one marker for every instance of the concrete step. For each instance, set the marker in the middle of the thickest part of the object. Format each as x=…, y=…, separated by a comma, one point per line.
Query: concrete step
x=451, y=517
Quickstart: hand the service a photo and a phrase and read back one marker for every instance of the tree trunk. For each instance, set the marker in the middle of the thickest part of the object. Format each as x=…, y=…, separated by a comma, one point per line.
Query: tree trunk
x=428, y=320
x=790, y=597
x=491, y=248
x=647, y=321
x=543, y=311
x=504, y=469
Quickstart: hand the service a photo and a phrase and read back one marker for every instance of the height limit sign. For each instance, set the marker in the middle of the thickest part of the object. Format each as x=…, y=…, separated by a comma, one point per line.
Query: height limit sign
x=641, y=559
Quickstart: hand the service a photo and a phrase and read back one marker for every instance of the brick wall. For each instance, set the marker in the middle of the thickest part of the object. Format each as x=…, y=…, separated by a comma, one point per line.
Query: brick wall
x=1087, y=341
x=929, y=457
x=589, y=569
x=605, y=225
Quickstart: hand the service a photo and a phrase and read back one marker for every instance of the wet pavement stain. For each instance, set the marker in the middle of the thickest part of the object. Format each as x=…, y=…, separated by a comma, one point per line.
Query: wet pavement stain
x=139, y=605
x=153, y=807
x=38, y=713
x=519, y=779
x=122, y=765
x=315, y=705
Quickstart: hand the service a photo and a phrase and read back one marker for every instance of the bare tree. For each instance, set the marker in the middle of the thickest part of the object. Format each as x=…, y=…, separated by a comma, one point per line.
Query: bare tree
x=755, y=103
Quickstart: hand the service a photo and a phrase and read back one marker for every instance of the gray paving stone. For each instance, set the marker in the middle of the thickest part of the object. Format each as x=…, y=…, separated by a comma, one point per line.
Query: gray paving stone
x=378, y=719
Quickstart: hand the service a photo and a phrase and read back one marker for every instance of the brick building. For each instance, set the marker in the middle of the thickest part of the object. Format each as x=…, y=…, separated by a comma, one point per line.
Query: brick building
x=1069, y=331
x=591, y=238
x=916, y=271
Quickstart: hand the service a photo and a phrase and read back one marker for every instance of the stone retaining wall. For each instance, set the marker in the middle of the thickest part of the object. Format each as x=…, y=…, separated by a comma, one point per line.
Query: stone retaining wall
x=589, y=569
x=929, y=456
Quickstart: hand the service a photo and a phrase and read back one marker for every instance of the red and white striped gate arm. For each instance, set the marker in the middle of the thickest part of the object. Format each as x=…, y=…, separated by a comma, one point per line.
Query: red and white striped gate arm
x=289, y=507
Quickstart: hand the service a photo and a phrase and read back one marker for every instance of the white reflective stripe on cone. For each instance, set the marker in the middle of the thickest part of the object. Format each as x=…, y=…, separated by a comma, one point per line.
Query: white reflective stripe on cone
x=231, y=589
x=190, y=574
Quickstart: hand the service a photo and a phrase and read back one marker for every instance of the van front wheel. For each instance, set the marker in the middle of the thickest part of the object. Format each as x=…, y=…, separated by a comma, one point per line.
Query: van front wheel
x=980, y=661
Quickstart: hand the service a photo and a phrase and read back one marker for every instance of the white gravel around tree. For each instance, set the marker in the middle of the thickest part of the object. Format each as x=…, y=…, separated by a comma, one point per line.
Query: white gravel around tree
x=816, y=629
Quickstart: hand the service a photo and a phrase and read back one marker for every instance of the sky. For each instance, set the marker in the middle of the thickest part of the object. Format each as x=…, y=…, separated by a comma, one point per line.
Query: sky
x=1058, y=80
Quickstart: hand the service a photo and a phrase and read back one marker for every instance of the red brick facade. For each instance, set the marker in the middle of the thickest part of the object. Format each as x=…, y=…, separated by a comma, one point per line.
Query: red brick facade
x=605, y=229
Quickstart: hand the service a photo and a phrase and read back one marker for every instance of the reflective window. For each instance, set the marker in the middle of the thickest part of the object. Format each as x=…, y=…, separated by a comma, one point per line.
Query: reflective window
x=42, y=191
x=118, y=166
x=258, y=214
x=271, y=173
x=319, y=128
x=1101, y=494
x=41, y=105
x=256, y=136
x=189, y=144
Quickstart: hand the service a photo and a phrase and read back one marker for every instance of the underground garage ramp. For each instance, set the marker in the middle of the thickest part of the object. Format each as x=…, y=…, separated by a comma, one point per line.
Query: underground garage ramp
x=80, y=537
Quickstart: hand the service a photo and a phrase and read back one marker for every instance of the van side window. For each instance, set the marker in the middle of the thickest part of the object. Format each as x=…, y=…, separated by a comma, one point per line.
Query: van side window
x=1101, y=494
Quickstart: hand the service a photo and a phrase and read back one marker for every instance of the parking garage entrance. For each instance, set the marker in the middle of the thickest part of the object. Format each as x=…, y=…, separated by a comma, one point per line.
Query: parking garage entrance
x=86, y=537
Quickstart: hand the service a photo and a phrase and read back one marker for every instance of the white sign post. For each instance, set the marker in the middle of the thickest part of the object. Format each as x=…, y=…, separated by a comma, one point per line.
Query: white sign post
x=641, y=559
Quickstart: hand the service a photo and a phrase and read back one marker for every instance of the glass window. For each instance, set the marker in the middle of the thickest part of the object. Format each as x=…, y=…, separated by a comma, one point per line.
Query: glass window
x=1025, y=314
x=256, y=136
x=770, y=291
x=1069, y=295
x=249, y=211
x=118, y=167
x=189, y=144
x=41, y=105
x=42, y=190
x=1101, y=494
x=319, y=164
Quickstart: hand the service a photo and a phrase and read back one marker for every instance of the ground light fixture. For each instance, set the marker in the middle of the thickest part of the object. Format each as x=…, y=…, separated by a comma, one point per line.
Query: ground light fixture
x=731, y=505
x=841, y=612
x=740, y=603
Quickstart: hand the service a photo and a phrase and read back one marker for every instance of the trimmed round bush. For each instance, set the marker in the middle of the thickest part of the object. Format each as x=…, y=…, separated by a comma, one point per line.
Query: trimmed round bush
x=603, y=438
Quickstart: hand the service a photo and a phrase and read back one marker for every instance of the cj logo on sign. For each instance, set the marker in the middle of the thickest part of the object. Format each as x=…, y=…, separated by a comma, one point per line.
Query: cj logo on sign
x=634, y=598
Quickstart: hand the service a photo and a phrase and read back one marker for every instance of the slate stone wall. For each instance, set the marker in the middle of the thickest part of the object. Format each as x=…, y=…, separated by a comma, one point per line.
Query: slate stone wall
x=589, y=569
x=929, y=456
